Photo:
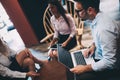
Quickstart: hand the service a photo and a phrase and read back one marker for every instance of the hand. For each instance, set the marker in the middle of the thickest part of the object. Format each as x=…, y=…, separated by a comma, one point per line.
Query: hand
x=53, y=53
x=78, y=69
x=88, y=52
x=32, y=74
x=81, y=69
x=27, y=53
x=64, y=44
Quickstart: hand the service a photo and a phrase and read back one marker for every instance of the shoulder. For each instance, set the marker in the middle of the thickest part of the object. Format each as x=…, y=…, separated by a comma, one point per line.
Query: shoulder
x=103, y=17
x=107, y=24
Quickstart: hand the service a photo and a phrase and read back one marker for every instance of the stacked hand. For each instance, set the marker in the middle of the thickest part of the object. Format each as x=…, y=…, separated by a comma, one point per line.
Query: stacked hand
x=32, y=74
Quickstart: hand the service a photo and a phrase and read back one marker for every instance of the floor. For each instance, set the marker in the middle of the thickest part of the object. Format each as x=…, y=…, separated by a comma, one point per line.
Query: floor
x=39, y=51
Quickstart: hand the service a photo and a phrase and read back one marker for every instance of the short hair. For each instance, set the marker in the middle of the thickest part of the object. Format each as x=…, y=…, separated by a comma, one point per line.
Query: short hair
x=89, y=3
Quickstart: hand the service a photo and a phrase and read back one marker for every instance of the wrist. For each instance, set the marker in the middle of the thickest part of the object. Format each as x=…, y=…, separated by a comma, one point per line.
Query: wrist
x=88, y=68
x=27, y=75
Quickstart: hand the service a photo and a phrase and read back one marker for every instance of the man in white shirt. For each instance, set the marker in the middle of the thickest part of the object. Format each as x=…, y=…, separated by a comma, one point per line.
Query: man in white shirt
x=106, y=43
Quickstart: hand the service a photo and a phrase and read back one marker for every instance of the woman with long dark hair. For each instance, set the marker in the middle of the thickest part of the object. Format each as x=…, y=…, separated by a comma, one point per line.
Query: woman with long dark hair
x=63, y=24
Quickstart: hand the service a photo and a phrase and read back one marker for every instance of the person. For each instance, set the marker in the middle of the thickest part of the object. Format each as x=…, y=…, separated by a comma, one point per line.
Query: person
x=106, y=43
x=113, y=12
x=63, y=24
x=16, y=66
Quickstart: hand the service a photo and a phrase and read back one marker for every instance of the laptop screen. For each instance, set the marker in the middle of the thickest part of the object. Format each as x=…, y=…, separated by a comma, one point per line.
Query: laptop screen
x=64, y=57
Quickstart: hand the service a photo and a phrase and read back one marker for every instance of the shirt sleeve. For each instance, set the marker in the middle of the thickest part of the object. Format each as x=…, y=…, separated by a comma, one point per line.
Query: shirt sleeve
x=6, y=72
x=55, y=30
x=72, y=25
x=108, y=40
x=10, y=51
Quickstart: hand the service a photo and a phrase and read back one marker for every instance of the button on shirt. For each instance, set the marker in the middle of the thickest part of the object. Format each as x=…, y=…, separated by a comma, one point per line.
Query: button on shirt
x=61, y=27
x=106, y=36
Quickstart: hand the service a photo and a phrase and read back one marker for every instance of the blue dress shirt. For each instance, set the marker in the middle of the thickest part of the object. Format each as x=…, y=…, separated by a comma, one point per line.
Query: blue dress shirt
x=106, y=36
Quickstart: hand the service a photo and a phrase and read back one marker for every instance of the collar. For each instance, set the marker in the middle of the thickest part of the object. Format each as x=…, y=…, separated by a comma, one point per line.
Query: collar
x=95, y=20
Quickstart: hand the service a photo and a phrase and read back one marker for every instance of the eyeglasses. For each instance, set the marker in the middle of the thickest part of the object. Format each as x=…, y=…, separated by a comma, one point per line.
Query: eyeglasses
x=77, y=11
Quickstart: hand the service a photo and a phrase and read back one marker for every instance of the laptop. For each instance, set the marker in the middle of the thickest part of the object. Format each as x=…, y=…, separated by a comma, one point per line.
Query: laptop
x=72, y=59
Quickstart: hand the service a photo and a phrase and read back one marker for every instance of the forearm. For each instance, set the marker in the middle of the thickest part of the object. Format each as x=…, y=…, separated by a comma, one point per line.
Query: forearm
x=81, y=69
x=6, y=72
x=53, y=41
x=27, y=54
x=88, y=68
x=68, y=40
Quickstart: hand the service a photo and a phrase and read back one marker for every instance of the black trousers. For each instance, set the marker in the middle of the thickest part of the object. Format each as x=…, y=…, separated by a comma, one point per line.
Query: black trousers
x=101, y=75
x=112, y=74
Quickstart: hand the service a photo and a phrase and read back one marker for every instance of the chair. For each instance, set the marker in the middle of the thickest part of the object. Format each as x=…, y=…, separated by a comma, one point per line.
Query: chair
x=79, y=23
x=47, y=26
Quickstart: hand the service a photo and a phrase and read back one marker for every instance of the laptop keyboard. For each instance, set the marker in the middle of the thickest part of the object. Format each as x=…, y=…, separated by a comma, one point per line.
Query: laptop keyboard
x=79, y=58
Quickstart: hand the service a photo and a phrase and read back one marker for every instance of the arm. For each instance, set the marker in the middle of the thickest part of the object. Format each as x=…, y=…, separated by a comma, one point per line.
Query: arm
x=72, y=29
x=72, y=26
x=90, y=50
x=84, y=68
x=81, y=69
x=29, y=54
x=53, y=41
x=55, y=37
x=4, y=71
x=108, y=39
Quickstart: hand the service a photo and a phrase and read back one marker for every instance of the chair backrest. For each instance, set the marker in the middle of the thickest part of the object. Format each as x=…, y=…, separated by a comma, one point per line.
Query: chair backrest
x=71, y=9
x=46, y=21
x=47, y=25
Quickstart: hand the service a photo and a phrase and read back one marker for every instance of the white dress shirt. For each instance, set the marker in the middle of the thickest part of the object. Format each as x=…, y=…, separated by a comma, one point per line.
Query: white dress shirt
x=111, y=8
x=106, y=35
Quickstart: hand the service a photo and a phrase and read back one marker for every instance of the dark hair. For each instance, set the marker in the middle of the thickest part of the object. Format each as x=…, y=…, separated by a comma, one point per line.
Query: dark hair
x=89, y=3
x=60, y=9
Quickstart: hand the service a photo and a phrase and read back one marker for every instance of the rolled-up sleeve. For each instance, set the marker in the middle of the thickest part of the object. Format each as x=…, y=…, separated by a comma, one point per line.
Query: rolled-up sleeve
x=53, y=24
x=6, y=72
x=55, y=33
x=72, y=26
x=108, y=40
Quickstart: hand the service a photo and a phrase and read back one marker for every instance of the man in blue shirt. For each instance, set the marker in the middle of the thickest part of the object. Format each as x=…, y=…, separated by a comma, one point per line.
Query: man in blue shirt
x=106, y=43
